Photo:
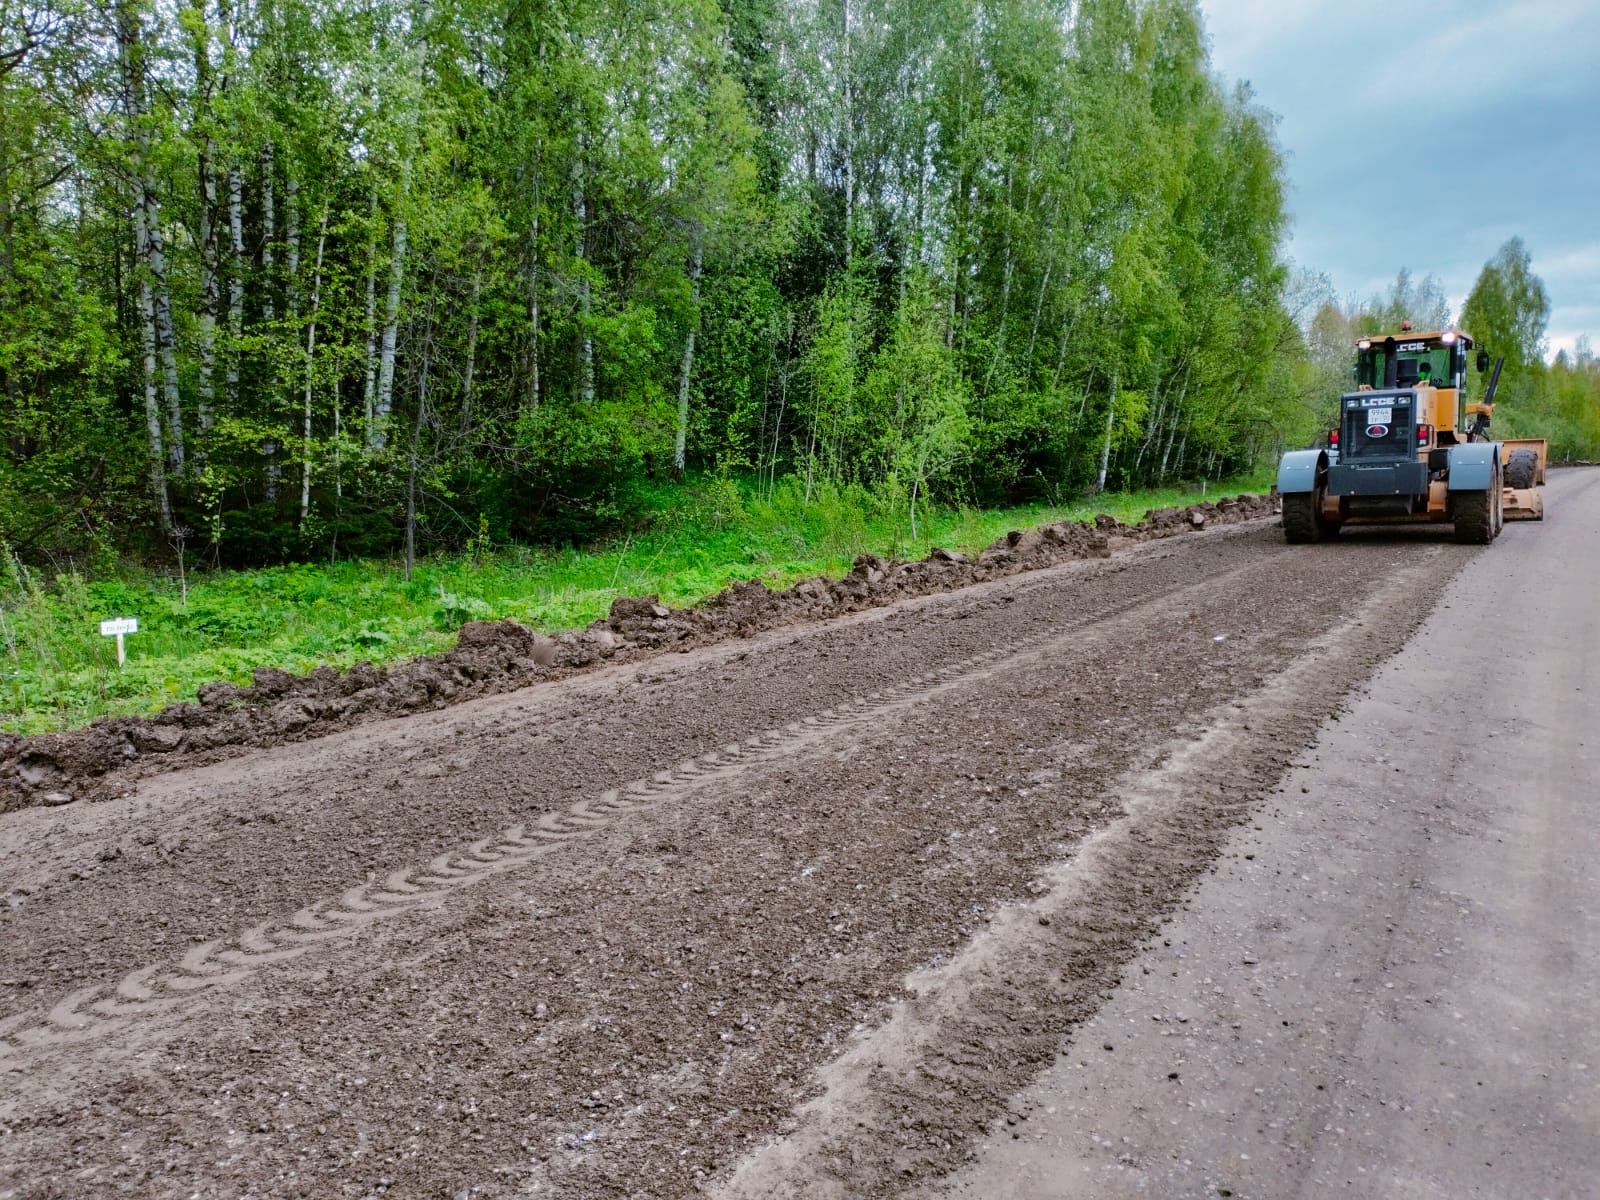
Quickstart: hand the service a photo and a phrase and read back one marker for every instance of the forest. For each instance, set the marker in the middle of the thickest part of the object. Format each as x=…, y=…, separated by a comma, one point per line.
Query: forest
x=286, y=281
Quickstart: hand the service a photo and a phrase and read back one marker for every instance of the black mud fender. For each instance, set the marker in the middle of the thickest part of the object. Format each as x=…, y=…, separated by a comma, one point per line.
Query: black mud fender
x=1472, y=466
x=1301, y=471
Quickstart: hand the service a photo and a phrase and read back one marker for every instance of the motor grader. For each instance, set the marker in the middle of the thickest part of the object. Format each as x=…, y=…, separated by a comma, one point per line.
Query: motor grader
x=1410, y=447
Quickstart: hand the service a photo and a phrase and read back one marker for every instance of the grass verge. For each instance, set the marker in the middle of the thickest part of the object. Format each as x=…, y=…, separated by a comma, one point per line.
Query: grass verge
x=57, y=673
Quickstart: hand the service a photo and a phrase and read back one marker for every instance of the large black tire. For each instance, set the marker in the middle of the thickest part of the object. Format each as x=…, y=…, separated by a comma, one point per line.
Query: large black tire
x=1302, y=518
x=1474, y=516
x=1522, y=468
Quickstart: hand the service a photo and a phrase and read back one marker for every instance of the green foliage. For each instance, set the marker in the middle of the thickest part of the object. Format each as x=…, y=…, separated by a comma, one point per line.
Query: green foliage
x=281, y=283
x=293, y=283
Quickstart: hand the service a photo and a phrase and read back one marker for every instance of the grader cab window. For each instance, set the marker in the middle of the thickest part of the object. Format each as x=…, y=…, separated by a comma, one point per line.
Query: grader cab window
x=1372, y=366
x=1408, y=370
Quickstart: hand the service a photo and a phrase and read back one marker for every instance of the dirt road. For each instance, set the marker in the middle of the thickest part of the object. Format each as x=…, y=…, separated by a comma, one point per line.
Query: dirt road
x=807, y=914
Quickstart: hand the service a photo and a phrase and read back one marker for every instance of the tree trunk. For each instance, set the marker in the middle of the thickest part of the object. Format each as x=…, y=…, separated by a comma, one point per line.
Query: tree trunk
x=1061, y=351
x=1111, y=421
x=1172, y=434
x=1005, y=301
x=849, y=141
x=369, y=387
x=532, y=403
x=291, y=222
x=210, y=298
x=147, y=237
x=152, y=397
x=472, y=354
x=8, y=271
x=1044, y=289
x=269, y=234
x=377, y=433
x=338, y=461
x=680, y=443
x=415, y=462
x=235, y=254
x=1152, y=427
x=235, y=280
x=311, y=349
x=156, y=263
x=580, y=208
x=783, y=403
x=210, y=289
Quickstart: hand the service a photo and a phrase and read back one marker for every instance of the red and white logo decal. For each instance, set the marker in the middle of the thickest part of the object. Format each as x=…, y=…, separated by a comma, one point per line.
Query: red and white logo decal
x=1377, y=431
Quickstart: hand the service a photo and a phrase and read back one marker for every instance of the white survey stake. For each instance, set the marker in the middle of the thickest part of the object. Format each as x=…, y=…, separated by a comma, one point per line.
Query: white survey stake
x=119, y=628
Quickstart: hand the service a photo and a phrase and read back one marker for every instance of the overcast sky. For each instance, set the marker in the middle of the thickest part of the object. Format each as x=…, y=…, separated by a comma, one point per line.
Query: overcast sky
x=1424, y=135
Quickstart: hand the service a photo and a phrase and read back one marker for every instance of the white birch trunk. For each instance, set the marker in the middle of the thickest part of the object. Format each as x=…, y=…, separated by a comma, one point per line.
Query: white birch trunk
x=580, y=208
x=311, y=350
x=152, y=396
x=210, y=296
x=210, y=288
x=369, y=387
x=165, y=340
x=415, y=463
x=235, y=280
x=472, y=353
x=269, y=233
x=1005, y=300
x=291, y=220
x=377, y=433
x=1105, y=450
x=681, y=442
x=533, y=320
x=849, y=140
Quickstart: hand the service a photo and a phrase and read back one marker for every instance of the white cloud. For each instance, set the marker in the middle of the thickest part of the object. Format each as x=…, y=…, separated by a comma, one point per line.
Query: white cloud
x=1575, y=263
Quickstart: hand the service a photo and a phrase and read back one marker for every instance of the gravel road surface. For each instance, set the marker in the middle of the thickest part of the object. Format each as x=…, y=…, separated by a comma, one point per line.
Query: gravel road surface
x=832, y=911
x=1390, y=986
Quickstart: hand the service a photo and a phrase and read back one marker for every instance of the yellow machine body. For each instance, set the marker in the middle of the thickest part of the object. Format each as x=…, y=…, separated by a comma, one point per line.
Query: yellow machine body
x=1414, y=385
x=1526, y=503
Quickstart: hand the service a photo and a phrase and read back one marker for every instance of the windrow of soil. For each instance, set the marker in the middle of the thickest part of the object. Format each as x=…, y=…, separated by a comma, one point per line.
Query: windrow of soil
x=106, y=758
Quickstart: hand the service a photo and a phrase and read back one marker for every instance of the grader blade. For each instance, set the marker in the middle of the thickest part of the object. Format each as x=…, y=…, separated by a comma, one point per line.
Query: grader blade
x=1522, y=474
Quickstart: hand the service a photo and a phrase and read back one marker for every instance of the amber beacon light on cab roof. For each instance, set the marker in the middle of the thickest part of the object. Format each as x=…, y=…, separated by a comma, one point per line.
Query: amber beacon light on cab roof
x=1411, y=447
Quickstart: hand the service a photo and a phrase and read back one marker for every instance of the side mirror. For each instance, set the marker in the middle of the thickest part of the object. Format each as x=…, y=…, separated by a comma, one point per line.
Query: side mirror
x=1483, y=361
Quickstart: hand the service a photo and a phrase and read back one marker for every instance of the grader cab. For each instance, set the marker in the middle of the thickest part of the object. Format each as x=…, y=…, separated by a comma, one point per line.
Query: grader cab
x=1410, y=447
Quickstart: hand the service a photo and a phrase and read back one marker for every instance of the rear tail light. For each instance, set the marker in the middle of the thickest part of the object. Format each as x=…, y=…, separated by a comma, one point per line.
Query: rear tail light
x=1333, y=439
x=1424, y=434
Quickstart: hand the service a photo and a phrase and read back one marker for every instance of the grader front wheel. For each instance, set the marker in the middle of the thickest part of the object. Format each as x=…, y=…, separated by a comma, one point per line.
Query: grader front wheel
x=1476, y=515
x=1303, y=521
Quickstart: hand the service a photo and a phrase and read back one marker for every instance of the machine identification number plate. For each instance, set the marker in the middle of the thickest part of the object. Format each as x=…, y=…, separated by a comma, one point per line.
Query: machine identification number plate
x=1380, y=416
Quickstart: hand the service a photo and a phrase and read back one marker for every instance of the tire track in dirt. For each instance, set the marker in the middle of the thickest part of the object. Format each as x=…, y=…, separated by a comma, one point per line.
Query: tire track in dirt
x=897, y=1108
x=89, y=1014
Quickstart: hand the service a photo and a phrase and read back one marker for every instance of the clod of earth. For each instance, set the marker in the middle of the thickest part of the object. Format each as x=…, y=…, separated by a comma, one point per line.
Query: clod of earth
x=104, y=759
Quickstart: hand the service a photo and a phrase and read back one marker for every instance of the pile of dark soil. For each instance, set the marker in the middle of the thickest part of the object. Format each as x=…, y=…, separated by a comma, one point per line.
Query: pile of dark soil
x=104, y=759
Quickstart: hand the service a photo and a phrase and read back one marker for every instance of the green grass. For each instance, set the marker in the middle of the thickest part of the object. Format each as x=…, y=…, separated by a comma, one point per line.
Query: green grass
x=56, y=672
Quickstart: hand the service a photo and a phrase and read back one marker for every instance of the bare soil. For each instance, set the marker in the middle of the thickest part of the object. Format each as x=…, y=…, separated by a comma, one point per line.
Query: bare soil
x=792, y=913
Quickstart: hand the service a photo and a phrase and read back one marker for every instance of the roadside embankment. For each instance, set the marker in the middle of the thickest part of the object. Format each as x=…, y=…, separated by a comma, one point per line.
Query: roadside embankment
x=104, y=759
